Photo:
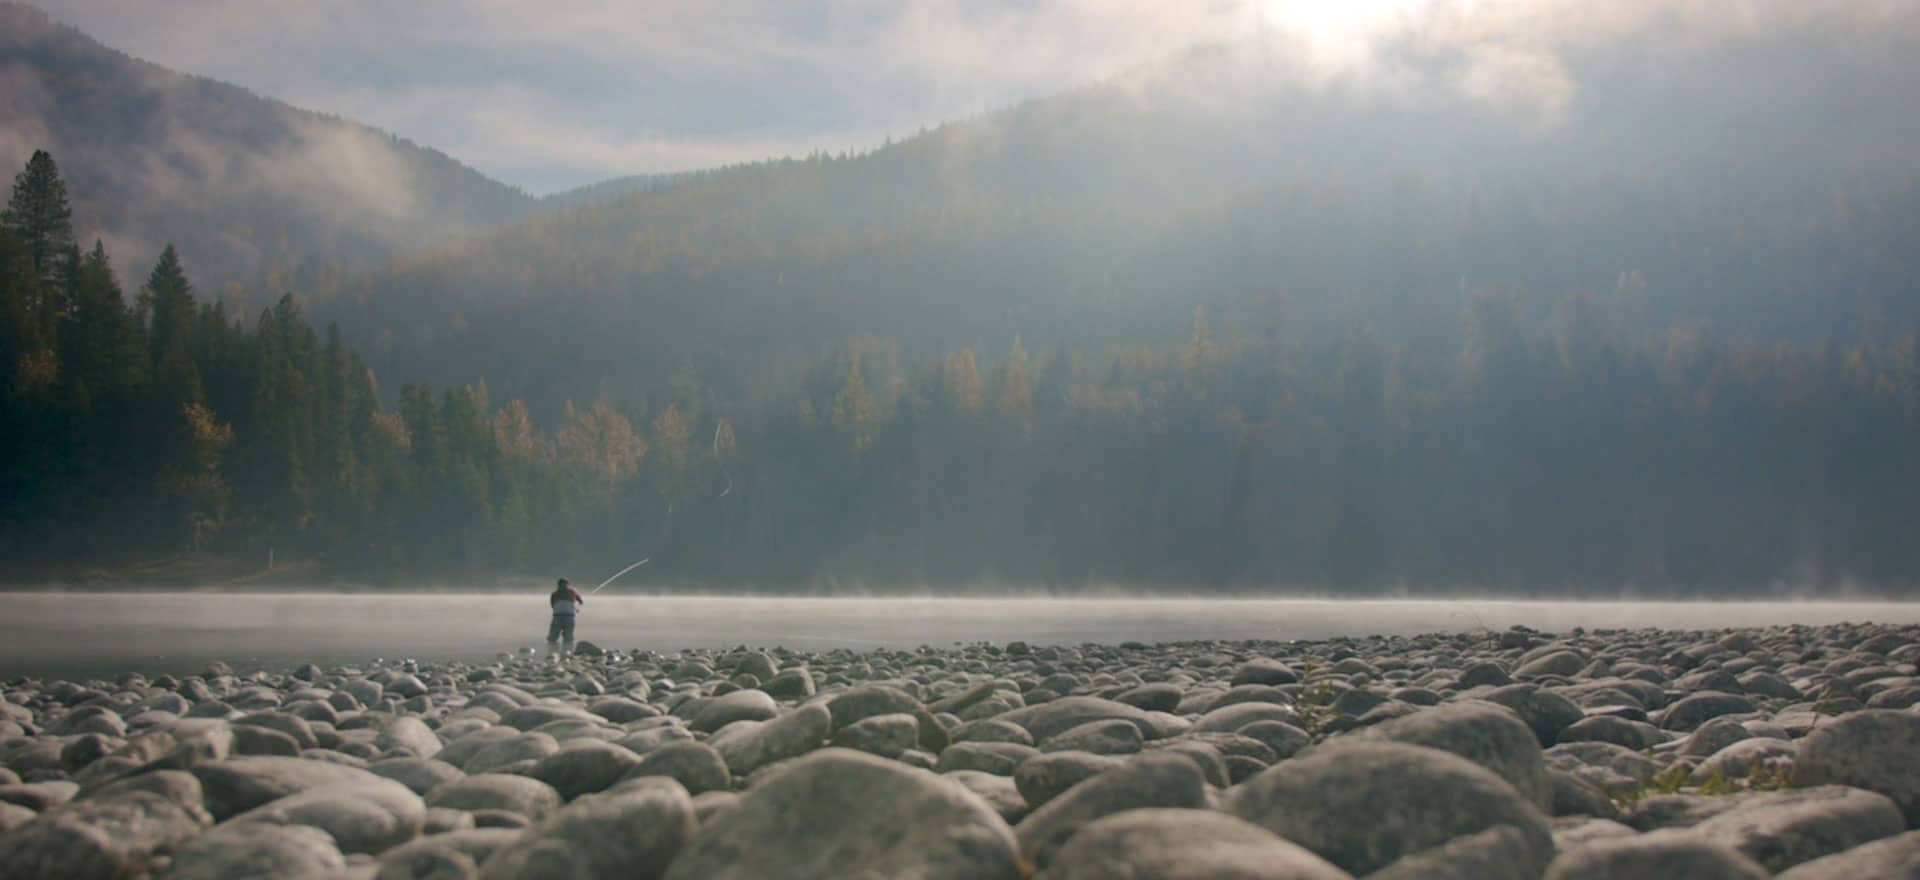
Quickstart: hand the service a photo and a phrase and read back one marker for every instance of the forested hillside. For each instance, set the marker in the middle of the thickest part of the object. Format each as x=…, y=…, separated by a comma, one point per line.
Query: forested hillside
x=1644, y=317
x=1529, y=460
x=248, y=189
x=1751, y=182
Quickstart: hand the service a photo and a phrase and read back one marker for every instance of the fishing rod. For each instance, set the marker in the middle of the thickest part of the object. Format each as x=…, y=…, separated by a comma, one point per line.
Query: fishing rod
x=718, y=461
x=617, y=574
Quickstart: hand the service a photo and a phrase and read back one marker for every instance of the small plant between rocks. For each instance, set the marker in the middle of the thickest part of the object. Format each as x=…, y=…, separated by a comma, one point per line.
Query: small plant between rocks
x=1771, y=775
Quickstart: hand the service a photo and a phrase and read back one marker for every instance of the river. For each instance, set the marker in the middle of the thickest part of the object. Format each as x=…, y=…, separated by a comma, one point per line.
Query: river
x=97, y=634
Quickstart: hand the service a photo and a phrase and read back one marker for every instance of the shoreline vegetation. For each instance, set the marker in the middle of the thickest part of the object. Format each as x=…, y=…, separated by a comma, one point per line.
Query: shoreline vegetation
x=1563, y=458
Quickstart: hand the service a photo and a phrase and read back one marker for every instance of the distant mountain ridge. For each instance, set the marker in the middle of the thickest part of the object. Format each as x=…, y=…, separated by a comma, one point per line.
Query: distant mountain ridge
x=1753, y=185
x=612, y=190
x=247, y=187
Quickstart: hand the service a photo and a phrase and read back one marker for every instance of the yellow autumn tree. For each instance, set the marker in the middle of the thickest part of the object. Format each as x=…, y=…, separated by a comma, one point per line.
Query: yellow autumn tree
x=601, y=443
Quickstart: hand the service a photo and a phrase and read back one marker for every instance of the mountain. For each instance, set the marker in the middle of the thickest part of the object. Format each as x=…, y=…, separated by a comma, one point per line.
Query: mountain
x=245, y=186
x=1756, y=181
x=608, y=191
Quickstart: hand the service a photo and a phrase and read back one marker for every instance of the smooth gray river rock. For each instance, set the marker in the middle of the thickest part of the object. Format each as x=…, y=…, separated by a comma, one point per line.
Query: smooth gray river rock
x=618, y=725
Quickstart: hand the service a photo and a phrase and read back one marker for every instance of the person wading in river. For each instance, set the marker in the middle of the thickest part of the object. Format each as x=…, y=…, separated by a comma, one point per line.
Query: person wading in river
x=566, y=602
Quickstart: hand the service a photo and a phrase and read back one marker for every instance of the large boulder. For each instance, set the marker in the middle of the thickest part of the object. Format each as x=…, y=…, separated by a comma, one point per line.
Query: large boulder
x=1892, y=858
x=1713, y=735
x=1484, y=673
x=1484, y=733
x=449, y=856
x=107, y=838
x=749, y=745
x=1572, y=796
x=1741, y=759
x=1230, y=719
x=292, y=725
x=841, y=813
x=621, y=710
x=291, y=852
x=790, y=684
x=39, y=796
x=177, y=786
x=1154, y=697
x=1695, y=709
x=237, y=785
x=646, y=740
x=634, y=834
x=518, y=795
x=584, y=766
x=998, y=791
x=1636, y=735
x=1110, y=737
x=1619, y=761
x=1569, y=834
x=463, y=748
x=1660, y=854
x=1044, y=777
x=741, y=705
x=518, y=752
x=1664, y=811
x=1873, y=749
x=1782, y=830
x=1174, y=844
x=756, y=664
x=1557, y=663
x=997, y=758
x=527, y=718
x=884, y=735
x=1155, y=780
x=361, y=817
x=249, y=739
x=1058, y=716
x=695, y=765
x=1546, y=712
x=410, y=733
x=418, y=774
x=1282, y=738
x=1264, y=670
x=181, y=745
x=876, y=699
x=1498, y=853
x=1363, y=805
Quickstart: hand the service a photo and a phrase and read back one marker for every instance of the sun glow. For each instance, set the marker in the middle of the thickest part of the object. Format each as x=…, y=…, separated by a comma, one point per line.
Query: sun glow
x=1337, y=30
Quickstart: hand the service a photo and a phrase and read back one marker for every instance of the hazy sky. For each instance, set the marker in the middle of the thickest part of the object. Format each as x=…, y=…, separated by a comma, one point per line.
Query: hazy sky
x=555, y=94
x=550, y=95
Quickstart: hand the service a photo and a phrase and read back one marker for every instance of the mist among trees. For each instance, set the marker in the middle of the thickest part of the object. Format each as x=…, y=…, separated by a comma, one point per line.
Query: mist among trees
x=1596, y=448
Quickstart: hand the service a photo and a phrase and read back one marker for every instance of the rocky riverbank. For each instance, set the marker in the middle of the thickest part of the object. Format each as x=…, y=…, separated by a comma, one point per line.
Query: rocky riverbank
x=1791, y=752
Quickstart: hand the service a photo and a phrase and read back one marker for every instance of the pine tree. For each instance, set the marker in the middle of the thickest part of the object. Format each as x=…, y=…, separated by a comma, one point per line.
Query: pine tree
x=168, y=300
x=98, y=343
x=38, y=213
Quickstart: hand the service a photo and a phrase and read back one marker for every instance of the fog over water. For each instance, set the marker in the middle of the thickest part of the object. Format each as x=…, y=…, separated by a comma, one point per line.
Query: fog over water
x=75, y=634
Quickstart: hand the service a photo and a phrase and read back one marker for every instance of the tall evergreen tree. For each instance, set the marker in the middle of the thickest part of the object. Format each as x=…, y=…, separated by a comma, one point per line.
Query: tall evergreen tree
x=38, y=213
x=168, y=300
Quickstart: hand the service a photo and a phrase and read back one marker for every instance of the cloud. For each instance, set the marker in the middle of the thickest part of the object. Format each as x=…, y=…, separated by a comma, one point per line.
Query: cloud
x=23, y=103
x=552, y=95
x=649, y=86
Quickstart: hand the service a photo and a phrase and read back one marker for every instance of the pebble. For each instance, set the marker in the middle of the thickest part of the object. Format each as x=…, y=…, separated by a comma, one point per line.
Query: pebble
x=1522, y=754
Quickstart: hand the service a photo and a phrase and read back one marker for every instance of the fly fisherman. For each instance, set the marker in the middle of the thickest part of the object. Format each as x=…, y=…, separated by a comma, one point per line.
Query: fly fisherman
x=566, y=602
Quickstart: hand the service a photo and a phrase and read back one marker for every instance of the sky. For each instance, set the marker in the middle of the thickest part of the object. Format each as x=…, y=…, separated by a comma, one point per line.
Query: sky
x=553, y=95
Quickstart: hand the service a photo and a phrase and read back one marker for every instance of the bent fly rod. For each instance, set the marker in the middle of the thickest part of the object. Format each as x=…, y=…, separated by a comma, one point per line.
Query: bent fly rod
x=617, y=574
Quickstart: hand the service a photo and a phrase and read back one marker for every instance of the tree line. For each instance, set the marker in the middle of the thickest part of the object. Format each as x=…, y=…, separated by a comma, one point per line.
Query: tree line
x=1593, y=450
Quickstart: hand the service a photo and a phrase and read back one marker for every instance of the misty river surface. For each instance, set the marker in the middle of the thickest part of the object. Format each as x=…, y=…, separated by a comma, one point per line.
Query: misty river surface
x=104, y=633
